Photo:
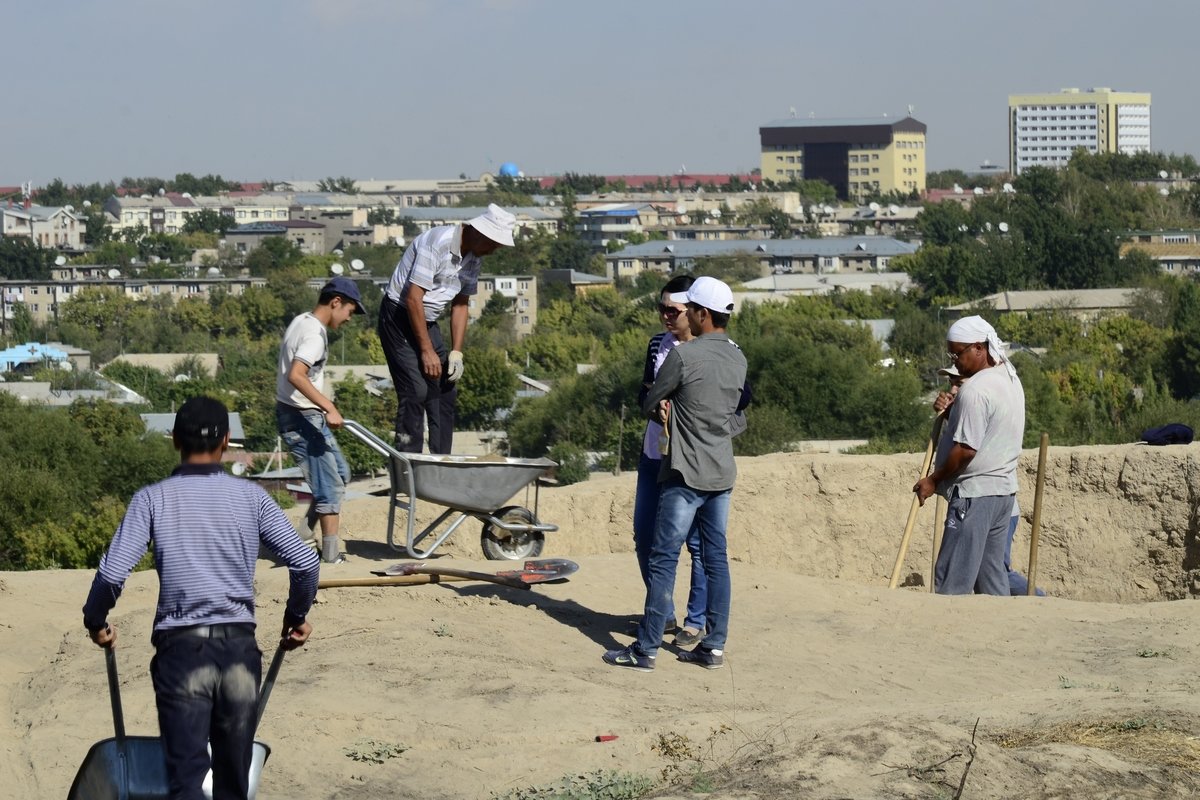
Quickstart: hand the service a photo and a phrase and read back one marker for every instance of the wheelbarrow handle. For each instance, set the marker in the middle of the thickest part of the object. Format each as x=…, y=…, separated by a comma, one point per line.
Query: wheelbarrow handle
x=264, y=693
x=114, y=692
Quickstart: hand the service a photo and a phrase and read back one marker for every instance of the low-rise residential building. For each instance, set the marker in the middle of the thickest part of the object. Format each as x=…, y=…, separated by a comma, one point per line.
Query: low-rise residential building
x=578, y=282
x=308, y=236
x=781, y=256
x=519, y=290
x=59, y=227
x=529, y=218
x=42, y=297
x=1177, y=252
x=775, y=288
x=1086, y=304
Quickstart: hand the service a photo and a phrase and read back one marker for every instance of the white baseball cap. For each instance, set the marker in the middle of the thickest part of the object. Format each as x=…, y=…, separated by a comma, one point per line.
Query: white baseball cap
x=496, y=224
x=709, y=292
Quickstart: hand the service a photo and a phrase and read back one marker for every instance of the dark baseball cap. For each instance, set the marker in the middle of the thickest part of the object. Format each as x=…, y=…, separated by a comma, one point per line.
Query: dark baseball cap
x=201, y=424
x=346, y=288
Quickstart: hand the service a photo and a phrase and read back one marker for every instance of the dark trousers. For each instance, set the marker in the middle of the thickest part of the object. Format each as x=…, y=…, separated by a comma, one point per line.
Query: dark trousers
x=418, y=397
x=207, y=692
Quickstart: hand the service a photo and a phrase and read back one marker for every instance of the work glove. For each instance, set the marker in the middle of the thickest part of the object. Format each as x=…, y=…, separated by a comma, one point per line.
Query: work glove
x=454, y=366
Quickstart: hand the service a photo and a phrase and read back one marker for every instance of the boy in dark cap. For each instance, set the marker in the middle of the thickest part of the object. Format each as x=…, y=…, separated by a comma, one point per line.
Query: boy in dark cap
x=307, y=417
x=205, y=527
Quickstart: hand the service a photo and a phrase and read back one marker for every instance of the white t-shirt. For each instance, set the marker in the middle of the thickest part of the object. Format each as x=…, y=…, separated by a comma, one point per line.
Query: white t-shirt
x=988, y=416
x=304, y=340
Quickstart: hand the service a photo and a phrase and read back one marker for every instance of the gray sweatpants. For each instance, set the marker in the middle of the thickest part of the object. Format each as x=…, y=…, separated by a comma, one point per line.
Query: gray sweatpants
x=972, y=554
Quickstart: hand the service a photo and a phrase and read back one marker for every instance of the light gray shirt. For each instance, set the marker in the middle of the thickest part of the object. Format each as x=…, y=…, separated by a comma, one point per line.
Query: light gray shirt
x=988, y=416
x=703, y=379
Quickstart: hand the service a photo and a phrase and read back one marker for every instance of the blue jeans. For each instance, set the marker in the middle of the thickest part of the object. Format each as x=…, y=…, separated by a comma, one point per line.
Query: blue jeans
x=679, y=508
x=311, y=443
x=645, y=512
x=207, y=692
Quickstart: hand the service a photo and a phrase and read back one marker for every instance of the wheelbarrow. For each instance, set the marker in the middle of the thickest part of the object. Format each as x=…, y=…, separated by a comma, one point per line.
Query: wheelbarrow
x=134, y=767
x=469, y=486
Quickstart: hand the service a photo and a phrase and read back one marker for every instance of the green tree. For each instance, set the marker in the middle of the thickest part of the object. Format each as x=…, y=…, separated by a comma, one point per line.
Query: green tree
x=208, y=220
x=487, y=388
x=342, y=185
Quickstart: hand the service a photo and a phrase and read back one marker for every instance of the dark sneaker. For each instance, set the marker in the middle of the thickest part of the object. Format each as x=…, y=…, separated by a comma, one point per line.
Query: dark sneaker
x=686, y=637
x=709, y=659
x=629, y=658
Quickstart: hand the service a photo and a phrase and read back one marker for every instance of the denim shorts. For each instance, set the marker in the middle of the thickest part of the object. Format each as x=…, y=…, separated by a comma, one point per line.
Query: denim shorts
x=312, y=445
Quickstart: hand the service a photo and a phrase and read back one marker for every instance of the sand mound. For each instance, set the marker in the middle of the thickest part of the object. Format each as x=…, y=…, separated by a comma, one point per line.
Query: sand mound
x=834, y=686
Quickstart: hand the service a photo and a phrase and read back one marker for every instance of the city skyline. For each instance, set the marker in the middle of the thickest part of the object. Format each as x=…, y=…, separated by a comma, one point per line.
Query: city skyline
x=377, y=89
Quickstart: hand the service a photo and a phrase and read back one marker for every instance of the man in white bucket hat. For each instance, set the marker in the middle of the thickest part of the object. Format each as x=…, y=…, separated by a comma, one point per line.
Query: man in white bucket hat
x=439, y=268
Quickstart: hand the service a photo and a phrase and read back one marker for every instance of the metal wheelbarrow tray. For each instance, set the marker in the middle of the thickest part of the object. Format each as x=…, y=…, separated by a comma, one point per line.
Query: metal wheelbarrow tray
x=469, y=486
x=134, y=767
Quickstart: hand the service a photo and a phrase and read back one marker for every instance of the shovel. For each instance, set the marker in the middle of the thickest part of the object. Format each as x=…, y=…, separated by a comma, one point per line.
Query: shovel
x=546, y=570
x=134, y=767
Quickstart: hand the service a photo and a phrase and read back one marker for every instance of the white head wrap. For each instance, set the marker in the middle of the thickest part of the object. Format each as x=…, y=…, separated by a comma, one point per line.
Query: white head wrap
x=970, y=330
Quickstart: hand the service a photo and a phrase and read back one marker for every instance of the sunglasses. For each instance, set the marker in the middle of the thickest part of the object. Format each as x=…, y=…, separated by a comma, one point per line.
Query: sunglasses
x=669, y=311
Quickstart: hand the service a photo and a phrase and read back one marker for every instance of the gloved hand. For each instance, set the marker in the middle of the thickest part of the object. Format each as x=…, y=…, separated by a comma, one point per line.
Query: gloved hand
x=454, y=366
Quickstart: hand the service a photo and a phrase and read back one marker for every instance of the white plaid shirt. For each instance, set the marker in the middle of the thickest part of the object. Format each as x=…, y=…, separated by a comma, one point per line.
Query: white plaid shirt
x=434, y=261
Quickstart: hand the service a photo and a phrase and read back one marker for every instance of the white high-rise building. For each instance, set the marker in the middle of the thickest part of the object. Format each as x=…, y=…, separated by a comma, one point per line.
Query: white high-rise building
x=1045, y=129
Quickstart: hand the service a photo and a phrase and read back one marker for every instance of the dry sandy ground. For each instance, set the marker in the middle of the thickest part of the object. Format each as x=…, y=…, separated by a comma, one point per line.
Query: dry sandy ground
x=835, y=687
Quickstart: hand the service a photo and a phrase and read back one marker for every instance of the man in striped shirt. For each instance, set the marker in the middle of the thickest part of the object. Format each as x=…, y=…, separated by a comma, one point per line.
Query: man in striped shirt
x=205, y=528
x=439, y=268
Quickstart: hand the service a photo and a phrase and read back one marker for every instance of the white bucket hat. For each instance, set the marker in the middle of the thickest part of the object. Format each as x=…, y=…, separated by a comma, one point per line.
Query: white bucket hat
x=708, y=292
x=496, y=224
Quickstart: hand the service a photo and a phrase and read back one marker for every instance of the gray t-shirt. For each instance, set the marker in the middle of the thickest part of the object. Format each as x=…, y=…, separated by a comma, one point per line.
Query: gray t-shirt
x=703, y=379
x=989, y=417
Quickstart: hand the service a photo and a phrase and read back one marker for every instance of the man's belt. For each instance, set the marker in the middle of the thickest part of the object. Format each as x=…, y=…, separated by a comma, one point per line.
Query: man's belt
x=229, y=630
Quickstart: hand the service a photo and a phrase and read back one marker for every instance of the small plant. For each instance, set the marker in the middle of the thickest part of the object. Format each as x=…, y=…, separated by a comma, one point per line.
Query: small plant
x=370, y=751
x=1146, y=652
x=283, y=497
x=442, y=631
x=598, y=785
x=687, y=762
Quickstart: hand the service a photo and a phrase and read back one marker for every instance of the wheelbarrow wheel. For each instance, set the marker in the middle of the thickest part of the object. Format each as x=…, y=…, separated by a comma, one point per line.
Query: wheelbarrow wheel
x=501, y=545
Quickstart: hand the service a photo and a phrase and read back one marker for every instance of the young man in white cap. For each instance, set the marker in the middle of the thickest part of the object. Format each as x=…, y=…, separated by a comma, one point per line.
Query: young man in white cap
x=976, y=467
x=695, y=396
x=439, y=268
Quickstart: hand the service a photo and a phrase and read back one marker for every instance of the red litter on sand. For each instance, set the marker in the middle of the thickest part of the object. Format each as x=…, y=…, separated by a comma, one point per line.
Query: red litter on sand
x=606, y=737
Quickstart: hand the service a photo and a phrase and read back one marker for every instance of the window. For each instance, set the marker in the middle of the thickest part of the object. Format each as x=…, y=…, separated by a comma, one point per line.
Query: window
x=524, y=320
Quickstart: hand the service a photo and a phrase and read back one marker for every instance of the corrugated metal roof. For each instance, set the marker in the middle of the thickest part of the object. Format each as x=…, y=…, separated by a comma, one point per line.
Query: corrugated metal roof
x=829, y=246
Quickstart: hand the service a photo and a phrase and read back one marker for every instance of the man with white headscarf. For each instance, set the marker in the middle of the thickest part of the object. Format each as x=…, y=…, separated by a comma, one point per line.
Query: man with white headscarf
x=977, y=472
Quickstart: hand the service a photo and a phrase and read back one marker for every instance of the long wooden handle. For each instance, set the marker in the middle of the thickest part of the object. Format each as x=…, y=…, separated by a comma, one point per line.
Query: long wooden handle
x=916, y=504
x=388, y=580
x=939, y=527
x=1037, y=514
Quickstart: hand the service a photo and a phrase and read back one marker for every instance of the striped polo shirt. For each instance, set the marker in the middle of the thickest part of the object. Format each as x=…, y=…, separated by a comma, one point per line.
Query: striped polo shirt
x=204, y=527
x=435, y=262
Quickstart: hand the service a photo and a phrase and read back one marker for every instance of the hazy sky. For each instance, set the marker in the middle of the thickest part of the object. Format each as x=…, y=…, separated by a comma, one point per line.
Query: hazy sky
x=255, y=89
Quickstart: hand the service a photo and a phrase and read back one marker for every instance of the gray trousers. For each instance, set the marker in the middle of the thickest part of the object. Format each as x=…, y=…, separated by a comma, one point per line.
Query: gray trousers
x=972, y=556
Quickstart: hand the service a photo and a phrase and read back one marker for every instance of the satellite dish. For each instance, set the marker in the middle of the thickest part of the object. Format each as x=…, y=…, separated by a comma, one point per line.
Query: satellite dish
x=685, y=219
x=893, y=209
x=827, y=209
x=520, y=174
x=399, y=241
x=337, y=252
x=716, y=213
x=188, y=195
x=213, y=272
x=957, y=189
x=873, y=206
x=58, y=262
x=977, y=190
x=162, y=190
x=1162, y=173
x=181, y=378
x=238, y=469
x=357, y=265
x=114, y=273
x=987, y=225
x=680, y=208
x=962, y=228
x=87, y=203
x=1164, y=191
x=1008, y=188
x=337, y=269
x=69, y=208
x=147, y=197
x=1003, y=226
